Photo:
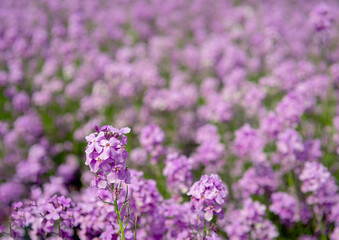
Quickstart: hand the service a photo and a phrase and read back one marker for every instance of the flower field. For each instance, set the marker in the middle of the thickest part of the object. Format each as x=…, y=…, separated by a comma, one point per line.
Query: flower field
x=169, y=120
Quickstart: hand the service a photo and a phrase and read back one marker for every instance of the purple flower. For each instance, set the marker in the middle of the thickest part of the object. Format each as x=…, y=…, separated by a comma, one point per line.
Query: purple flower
x=108, y=233
x=21, y=102
x=52, y=212
x=335, y=233
x=108, y=147
x=100, y=181
x=321, y=17
x=285, y=206
x=208, y=195
x=289, y=144
x=250, y=223
x=10, y=191
x=211, y=151
x=65, y=202
x=144, y=193
x=106, y=156
x=257, y=180
x=290, y=109
x=94, y=143
x=29, y=127
x=207, y=133
x=314, y=177
x=119, y=172
x=321, y=187
x=217, y=109
x=178, y=173
x=139, y=156
x=213, y=236
x=248, y=142
x=271, y=125
x=151, y=139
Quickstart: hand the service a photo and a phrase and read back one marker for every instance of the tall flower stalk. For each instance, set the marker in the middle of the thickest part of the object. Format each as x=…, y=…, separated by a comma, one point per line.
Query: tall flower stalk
x=106, y=157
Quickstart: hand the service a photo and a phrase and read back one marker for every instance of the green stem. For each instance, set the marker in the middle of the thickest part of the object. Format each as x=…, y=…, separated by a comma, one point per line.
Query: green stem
x=59, y=227
x=127, y=217
x=204, y=231
x=122, y=231
x=10, y=227
x=135, y=227
x=323, y=229
x=116, y=208
x=105, y=201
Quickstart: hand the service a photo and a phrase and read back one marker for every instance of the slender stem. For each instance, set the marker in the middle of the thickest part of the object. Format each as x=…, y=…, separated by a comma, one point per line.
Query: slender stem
x=105, y=201
x=204, y=231
x=119, y=219
x=118, y=211
x=323, y=229
x=116, y=208
x=135, y=227
x=10, y=227
x=323, y=232
x=59, y=227
x=127, y=217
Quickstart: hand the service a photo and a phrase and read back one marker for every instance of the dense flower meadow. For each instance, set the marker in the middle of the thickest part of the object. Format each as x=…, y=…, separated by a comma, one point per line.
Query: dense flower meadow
x=173, y=120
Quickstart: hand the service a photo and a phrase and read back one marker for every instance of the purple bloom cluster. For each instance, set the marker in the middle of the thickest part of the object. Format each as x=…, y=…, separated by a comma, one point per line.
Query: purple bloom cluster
x=151, y=139
x=257, y=180
x=289, y=144
x=321, y=17
x=285, y=206
x=106, y=156
x=44, y=216
x=248, y=143
x=178, y=173
x=250, y=222
x=210, y=152
x=208, y=195
x=317, y=181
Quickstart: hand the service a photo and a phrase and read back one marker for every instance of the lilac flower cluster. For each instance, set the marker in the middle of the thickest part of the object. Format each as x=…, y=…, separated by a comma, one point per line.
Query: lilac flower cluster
x=257, y=180
x=106, y=156
x=250, y=222
x=285, y=206
x=151, y=139
x=323, y=190
x=210, y=152
x=321, y=17
x=249, y=143
x=208, y=195
x=45, y=217
x=178, y=173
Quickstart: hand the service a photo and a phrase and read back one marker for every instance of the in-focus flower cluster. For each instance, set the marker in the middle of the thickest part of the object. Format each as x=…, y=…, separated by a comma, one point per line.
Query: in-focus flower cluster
x=208, y=195
x=106, y=156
